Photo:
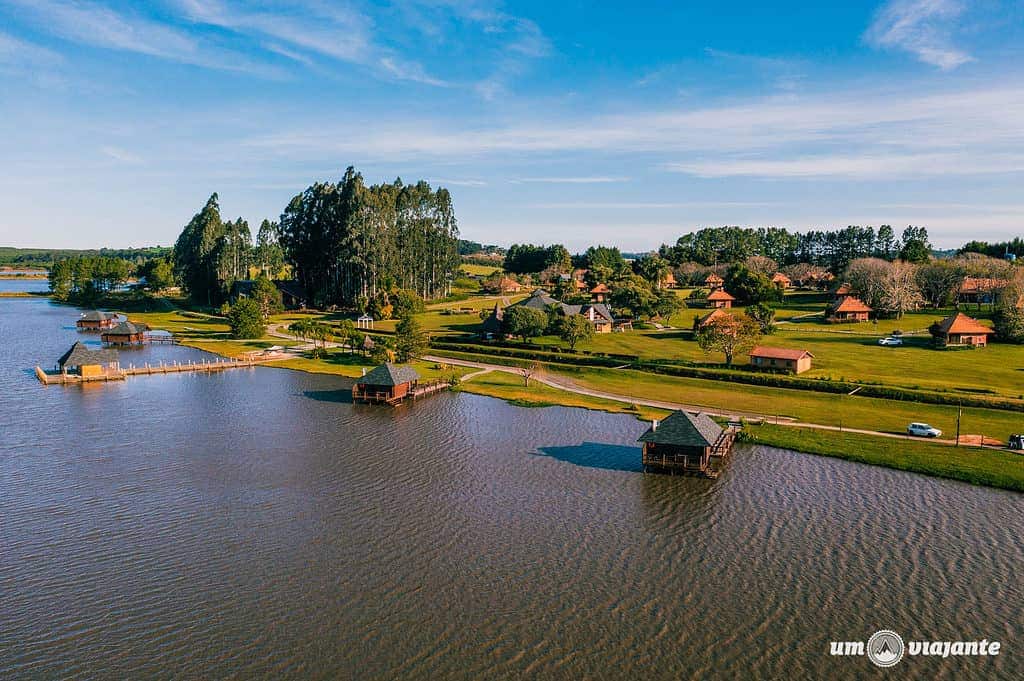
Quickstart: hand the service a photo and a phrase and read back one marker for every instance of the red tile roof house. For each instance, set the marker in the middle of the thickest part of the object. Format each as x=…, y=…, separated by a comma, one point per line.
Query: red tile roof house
x=710, y=318
x=960, y=330
x=784, y=359
x=713, y=281
x=719, y=298
x=781, y=280
x=980, y=290
x=599, y=292
x=850, y=309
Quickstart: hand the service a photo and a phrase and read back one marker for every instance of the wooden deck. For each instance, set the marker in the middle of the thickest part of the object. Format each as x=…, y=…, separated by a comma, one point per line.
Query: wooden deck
x=57, y=378
x=416, y=391
x=708, y=466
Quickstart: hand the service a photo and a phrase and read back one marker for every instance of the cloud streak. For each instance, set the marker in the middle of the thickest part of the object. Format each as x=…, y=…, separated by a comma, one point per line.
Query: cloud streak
x=922, y=27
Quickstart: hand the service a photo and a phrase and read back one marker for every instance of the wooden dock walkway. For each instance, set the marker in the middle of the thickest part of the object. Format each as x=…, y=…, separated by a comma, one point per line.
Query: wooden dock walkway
x=56, y=378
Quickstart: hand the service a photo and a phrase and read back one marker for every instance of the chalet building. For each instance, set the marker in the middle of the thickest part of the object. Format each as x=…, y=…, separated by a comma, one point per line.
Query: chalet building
x=83, y=361
x=851, y=309
x=710, y=318
x=599, y=293
x=781, y=359
x=684, y=443
x=713, y=281
x=781, y=280
x=980, y=290
x=599, y=314
x=670, y=281
x=959, y=330
x=125, y=333
x=388, y=383
x=94, y=320
x=507, y=285
x=719, y=298
x=843, y=291
x=492, y=326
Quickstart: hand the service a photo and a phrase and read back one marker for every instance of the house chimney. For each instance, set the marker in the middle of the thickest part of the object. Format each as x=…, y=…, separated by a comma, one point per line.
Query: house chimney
x=654, y=425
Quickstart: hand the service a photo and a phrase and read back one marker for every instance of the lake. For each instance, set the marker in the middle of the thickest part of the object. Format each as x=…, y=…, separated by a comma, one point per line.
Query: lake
x=256, y=524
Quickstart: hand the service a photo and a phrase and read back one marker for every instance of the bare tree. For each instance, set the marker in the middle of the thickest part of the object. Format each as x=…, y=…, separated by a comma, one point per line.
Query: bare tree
x=899, y=289
x=867, y=277
x=939, y=281
x=529, y=372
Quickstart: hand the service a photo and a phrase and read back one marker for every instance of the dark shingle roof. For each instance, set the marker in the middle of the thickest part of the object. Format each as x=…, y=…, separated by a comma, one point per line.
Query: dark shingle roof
x=390, y=374
x=126, y=329
x=97, y=316
x=81, y=355
x=538, y=300
x=684, y=429
x=492, y=324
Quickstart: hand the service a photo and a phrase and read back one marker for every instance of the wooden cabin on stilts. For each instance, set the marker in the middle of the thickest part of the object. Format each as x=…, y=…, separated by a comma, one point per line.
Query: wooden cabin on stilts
x=691, y=444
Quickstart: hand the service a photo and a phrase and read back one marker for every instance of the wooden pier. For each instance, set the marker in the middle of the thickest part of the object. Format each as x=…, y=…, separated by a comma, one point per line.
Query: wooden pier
x=119, y=374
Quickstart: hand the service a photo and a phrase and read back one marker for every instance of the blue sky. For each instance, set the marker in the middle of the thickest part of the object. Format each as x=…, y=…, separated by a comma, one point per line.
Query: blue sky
x=624, y=123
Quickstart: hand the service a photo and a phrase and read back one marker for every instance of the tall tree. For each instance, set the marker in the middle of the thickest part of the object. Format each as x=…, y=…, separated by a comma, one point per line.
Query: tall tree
x=268, y=253
x=197, y=254
x=410, y=339
x=729, y=335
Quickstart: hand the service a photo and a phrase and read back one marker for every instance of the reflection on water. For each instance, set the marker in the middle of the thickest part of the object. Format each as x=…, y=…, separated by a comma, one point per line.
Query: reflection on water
x=254, y=523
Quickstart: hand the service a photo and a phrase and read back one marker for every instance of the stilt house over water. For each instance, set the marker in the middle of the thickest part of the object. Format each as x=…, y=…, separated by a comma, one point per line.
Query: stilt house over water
x=125, y=333
x=94, y=320
x=685, y=443
x=388, y=383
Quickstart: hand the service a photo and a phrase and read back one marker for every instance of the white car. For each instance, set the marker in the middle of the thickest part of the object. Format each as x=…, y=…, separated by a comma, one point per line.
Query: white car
x=923, y=430
x=890, y=340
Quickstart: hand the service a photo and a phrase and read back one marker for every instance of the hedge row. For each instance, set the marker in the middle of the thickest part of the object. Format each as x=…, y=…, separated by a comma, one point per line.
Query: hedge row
x=764, y=379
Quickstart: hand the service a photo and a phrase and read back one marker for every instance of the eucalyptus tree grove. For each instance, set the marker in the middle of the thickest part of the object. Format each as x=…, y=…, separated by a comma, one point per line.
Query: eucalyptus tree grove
x=347, y=241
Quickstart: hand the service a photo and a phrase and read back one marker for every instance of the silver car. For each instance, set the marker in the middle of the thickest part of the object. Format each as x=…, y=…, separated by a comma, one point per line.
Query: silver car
x=923, y=430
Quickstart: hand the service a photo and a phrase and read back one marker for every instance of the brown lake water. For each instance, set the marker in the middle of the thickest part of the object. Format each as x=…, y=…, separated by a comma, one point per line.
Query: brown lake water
x=255, y=524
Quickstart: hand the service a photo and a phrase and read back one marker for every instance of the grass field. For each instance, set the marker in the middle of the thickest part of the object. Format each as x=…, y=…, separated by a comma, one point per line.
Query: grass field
x=969, y=464
x=479, y=270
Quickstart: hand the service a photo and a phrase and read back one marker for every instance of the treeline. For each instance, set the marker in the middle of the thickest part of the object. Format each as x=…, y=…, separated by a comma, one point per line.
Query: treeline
x=45, y=257
x=87, y=280
x=833, y=250
x=349, y=243
x=995, y=250
x=210, y=254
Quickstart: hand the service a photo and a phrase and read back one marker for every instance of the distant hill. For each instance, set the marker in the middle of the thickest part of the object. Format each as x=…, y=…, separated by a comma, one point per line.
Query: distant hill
x=44, y=257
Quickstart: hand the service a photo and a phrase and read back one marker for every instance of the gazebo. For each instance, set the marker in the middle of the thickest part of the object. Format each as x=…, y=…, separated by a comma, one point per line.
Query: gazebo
x=86, y=362
x=365, y=321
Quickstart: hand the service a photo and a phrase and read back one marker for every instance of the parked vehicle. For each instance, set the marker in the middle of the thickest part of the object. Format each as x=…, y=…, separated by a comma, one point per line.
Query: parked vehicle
x=1017, y=442
x=890, y=340
x=923, y=430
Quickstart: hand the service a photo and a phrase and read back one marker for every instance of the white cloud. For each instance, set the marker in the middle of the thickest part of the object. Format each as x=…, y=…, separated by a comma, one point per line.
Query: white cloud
x=870, y=134
x=88, y=23
x=922, y=27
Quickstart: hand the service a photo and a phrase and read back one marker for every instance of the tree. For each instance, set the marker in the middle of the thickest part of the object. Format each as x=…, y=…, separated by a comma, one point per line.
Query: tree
x=267, y=296
x=382, y=352
x=764, y=316
x=729, y=335
x=406, y=302
x=634, y=296
x=410, y=339
x=319, y=333
x=867, y=276
x=886, y=245
x=916, y=247
x=762, y=265
x=529, y=372
x=158, y=272
x=939, y=281
x=525, y=322
x=899, y=290
x=749, y=286
x=575, y=328
x=246, y=319
x=1008, y=322
x=269, y=255
x=197, y=254
x=653, y=268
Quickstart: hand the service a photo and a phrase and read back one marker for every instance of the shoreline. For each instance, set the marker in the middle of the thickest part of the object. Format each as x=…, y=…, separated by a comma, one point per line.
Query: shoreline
x=974, y=465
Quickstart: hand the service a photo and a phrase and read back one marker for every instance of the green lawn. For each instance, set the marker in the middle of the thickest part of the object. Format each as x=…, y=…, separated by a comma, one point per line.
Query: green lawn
x=479, y=270
x=969, y=464
x=827, y=409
